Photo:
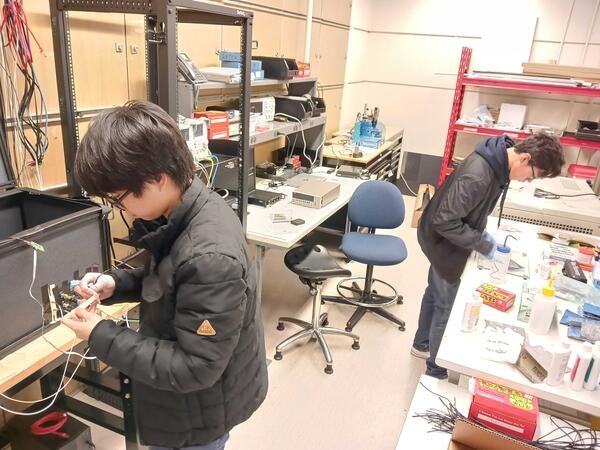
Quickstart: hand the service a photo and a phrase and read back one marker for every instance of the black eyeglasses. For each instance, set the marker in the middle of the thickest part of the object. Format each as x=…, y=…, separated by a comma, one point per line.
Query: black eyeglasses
x=117, y=202
x=532, y=172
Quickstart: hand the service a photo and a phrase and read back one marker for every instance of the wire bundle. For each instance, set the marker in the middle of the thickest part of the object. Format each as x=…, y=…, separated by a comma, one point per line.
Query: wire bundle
x=30, y=137
x=563, y=437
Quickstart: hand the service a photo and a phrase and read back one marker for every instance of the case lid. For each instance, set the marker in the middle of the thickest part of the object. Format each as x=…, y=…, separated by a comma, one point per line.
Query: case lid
x=7, y=176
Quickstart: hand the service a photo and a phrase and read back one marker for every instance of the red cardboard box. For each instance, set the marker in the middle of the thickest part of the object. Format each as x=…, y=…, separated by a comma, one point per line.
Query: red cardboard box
x=218, y=123
x=503, y=409
x=496, y=297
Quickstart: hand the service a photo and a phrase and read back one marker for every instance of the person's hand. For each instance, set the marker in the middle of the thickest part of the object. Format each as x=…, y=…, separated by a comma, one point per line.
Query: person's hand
x=82, y=322
x=96, y=283
x=488, y=237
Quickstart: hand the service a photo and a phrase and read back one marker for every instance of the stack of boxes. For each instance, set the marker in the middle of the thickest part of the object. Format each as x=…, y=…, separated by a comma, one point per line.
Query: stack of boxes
x=234, y=60
x=218, y=123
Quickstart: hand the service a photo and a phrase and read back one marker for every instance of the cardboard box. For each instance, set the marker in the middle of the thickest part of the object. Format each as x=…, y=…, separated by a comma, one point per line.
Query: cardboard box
x=503, y=409
x=471, y=436
x=496, y=297
x=424, y=194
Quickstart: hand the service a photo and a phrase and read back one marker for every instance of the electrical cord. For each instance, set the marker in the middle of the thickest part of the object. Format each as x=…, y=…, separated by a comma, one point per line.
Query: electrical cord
x=407, y=186
x=312, y=163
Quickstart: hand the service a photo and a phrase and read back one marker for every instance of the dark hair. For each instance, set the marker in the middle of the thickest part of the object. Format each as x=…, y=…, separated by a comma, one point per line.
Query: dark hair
x=129, y=146
x=546, y=153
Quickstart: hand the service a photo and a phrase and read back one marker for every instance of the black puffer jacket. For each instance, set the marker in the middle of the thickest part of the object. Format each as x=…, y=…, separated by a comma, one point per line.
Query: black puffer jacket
x=452, y=224
x=198, y=363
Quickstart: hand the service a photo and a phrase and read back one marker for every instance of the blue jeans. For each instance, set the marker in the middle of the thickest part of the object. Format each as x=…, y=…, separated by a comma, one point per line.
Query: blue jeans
x=435, y=310
x=219, y=444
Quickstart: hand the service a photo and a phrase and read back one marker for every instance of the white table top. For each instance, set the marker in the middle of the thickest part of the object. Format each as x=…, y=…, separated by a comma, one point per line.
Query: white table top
x=417, y=431
x=261, y=230
x=460, y=351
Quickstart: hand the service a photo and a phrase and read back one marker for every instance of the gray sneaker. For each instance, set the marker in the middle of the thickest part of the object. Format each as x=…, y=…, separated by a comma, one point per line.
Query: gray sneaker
x=423, y=354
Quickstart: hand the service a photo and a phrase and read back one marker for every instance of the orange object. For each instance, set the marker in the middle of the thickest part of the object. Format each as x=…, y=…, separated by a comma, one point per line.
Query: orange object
x=218, y=123
x=496, y=297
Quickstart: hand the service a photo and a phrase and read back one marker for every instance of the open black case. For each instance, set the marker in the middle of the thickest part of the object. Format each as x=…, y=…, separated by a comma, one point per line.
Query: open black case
x=75, y=236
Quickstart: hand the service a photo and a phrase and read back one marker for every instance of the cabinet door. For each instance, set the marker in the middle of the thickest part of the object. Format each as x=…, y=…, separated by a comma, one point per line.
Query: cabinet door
x=135, y=47
x=333, y=45
x=337, y=11
x=266, y=34
x=292, y=38
x=99, y=59
x=202, y=43
x=333, y=103
x=315, y=48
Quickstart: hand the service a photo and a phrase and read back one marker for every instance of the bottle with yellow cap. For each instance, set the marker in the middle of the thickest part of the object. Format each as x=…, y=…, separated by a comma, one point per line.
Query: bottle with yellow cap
x=543, y=310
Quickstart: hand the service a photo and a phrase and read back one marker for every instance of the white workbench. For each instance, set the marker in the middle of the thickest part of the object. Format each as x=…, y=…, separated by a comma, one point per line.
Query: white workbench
x=262, y=232
x=459, y=352
x=416, y=431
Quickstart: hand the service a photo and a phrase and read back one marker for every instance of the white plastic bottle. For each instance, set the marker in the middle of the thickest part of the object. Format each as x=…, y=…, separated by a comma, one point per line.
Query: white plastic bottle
x=593, y=372
x=582, y=364
x=500, y=263
x=471, y=313
x=558, y=365
x=542, y=310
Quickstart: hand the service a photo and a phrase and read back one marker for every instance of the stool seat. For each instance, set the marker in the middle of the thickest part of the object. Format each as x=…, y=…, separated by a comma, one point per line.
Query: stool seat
x=313, y=262
x=374, y=249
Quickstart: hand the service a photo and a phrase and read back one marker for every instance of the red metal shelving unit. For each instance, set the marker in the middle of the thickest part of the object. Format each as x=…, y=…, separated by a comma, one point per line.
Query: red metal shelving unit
x=465, y=79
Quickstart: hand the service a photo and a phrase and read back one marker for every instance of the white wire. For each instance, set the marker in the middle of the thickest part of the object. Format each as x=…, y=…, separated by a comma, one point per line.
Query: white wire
x=312, y=163
x=406, y=183
x=62, y=387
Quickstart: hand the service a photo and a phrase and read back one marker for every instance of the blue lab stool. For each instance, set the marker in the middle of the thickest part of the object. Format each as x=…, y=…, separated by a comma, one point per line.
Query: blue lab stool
x=374, y=204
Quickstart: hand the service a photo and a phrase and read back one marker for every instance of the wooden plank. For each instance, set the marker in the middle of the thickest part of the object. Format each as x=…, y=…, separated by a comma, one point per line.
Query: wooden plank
x=32, y=357
x=562, y=71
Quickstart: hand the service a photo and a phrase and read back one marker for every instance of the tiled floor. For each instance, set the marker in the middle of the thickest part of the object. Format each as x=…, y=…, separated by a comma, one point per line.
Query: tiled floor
x=362, y=405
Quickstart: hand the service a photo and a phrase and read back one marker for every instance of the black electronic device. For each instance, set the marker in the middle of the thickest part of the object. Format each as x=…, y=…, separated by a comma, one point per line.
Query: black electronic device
x=587, y=129
x=573, y=270
x=264, y=198
x=29, y=218
x=266, y=169
x=73, y=435
x=278, y=68
x=349, y=171
x=188, y=69
x=227, y=170
x=300, y=107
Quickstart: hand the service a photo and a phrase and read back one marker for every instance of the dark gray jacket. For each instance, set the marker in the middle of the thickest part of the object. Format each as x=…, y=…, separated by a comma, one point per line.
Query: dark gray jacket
x=190, y=385
x=452, y=224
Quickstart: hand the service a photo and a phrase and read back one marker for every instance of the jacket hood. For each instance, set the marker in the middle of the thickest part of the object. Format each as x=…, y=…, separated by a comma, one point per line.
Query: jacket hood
x=493, y=150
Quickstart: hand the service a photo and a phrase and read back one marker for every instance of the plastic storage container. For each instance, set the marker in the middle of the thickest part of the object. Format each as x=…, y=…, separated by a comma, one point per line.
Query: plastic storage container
x=75, y=236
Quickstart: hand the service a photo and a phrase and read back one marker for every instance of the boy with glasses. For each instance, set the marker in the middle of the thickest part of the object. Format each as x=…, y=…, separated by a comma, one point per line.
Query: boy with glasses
x=198, y=362
x=453, y=224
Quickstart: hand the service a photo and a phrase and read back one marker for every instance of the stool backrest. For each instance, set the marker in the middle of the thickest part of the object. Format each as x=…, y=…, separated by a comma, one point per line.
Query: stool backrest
x=376, y=204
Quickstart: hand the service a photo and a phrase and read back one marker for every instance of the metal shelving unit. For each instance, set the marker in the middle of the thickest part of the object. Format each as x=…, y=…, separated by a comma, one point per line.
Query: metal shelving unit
x=464, y=79
x=162, y=17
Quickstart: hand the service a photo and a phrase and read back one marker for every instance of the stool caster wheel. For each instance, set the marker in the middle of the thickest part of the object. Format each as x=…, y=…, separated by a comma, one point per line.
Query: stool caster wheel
x=280, y=326
x=400, y=300
x=278, y=356
x=401, y=328
x=329, y=369
x=356, y=345
x=348, y=329
x=325, y=323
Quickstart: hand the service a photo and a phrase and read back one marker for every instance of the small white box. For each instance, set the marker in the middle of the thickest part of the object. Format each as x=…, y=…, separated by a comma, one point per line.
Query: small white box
x=512, y=116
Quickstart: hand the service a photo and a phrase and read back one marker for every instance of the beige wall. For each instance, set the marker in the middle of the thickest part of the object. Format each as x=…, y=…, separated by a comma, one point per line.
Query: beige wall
x=105, y=78
x=404, y=58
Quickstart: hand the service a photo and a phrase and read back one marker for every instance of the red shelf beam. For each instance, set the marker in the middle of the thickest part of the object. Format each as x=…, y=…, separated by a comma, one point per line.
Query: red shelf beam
x=520, y=135
x=521, y=85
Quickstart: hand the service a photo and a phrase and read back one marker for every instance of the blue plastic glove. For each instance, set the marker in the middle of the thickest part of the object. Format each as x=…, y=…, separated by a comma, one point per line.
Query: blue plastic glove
x=488, y=237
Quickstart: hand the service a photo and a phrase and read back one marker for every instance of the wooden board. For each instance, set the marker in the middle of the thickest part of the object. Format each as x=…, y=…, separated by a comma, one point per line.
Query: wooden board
x=562, y=71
